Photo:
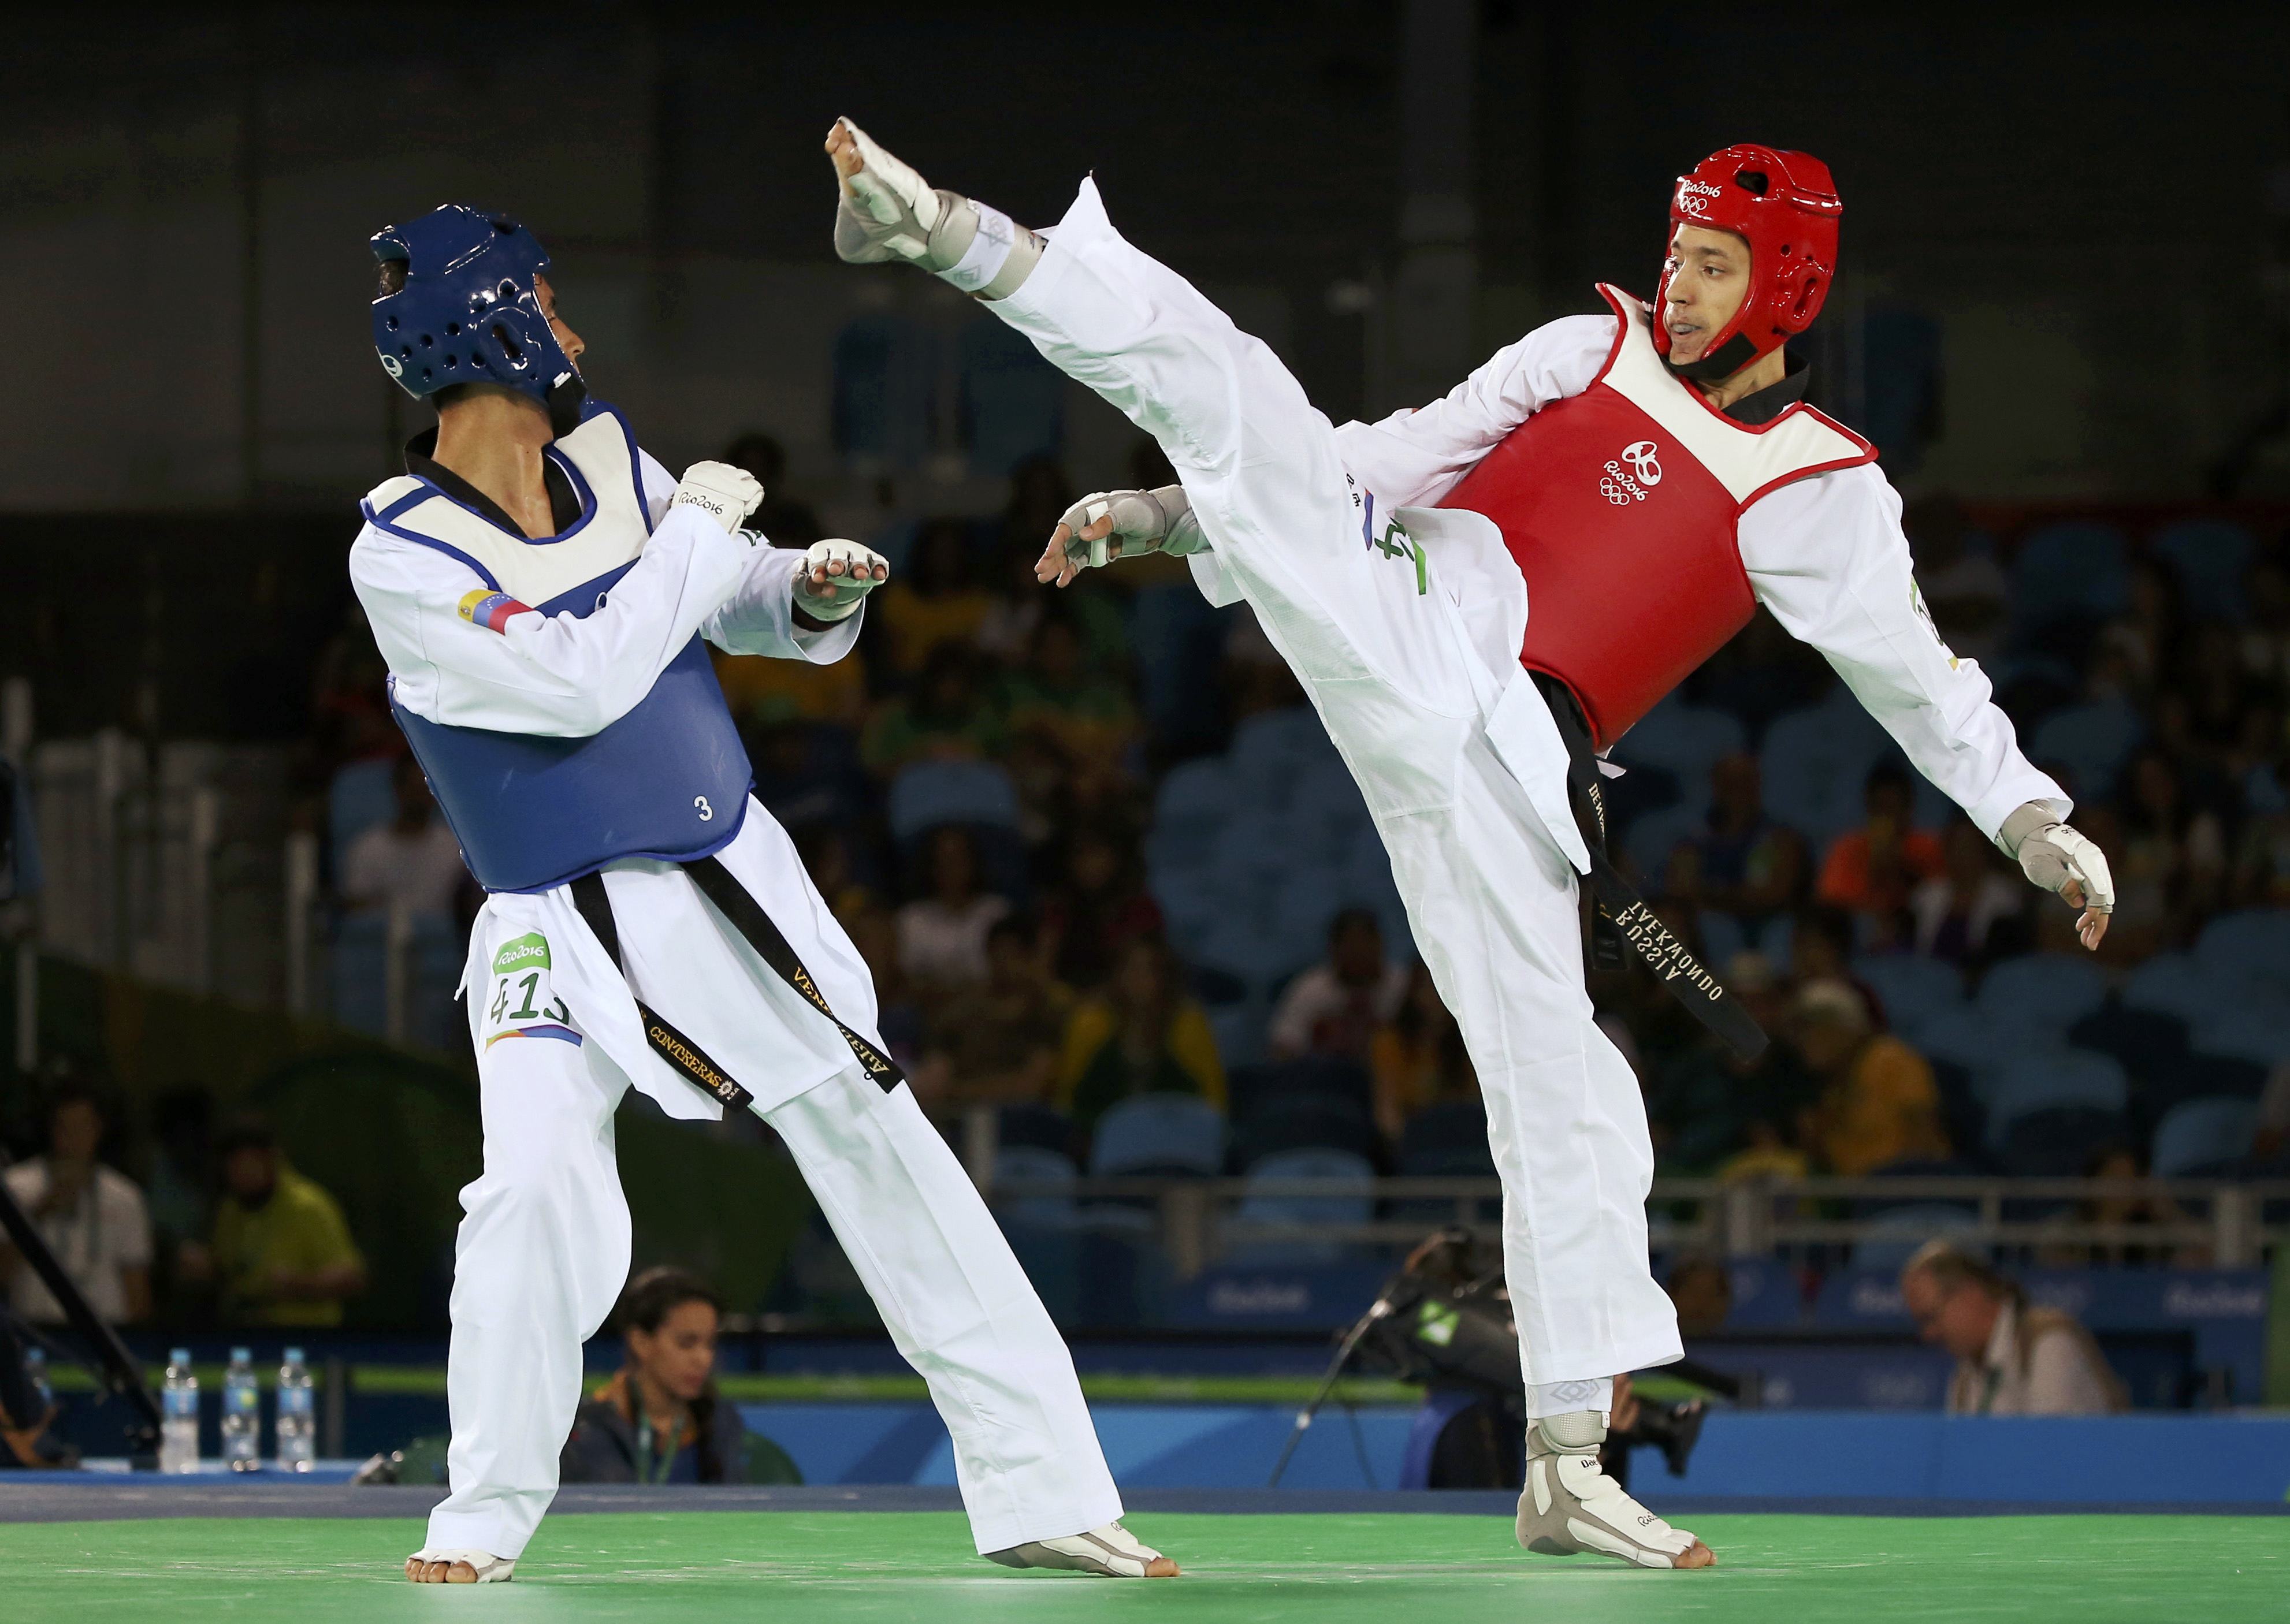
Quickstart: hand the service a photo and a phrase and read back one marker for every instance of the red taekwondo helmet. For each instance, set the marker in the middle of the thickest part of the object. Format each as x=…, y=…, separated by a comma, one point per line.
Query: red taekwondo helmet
x=1786, y=205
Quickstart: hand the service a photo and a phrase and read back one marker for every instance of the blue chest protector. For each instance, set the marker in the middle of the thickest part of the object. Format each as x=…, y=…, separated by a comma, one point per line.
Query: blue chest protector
x=668, y=780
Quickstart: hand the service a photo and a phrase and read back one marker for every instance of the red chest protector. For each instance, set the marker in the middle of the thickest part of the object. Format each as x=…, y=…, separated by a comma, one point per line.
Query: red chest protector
x=1620, y=505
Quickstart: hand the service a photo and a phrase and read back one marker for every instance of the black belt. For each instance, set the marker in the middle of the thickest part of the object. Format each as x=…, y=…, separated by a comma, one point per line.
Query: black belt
x=746, y=916
x=1619, y=915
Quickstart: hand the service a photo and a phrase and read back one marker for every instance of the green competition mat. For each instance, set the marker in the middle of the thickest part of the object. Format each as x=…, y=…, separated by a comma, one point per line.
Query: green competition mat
x=666, y=1568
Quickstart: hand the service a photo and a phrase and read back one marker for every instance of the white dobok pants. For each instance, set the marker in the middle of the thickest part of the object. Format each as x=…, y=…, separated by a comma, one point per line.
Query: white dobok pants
x=542, y=1253
x=1491, y=898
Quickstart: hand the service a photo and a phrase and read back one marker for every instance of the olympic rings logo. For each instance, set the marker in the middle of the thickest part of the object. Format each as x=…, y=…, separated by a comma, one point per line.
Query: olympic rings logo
x=1616, y=493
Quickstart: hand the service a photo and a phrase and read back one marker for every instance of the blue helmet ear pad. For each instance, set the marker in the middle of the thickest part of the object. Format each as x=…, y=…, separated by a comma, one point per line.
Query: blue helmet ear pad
x=466, y=310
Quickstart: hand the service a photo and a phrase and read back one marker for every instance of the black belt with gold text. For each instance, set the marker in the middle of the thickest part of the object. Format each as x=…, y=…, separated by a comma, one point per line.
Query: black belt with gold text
x=746, y=915
x=1620, y=915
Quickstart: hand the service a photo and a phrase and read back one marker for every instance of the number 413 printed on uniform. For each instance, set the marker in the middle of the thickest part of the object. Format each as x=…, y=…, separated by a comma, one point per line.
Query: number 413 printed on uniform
x=523, y=1004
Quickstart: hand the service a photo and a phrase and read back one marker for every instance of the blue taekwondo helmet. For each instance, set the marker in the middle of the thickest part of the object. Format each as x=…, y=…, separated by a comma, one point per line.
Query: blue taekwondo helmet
x=469, y=311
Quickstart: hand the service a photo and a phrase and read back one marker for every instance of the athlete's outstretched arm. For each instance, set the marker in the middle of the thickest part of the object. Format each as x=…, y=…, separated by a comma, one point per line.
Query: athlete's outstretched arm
x=1827, y=555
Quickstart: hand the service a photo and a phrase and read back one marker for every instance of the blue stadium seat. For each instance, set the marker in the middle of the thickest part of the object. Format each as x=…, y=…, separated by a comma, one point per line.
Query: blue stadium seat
x=1977, y=1041
x=2203, y=1136
x=2148, y=1044
x=2253, y=944
x=1040, y=1127
x=2092, y=741
x=2208, y=556
x=2259, y=1033
x=2014, y=1087
x=1315, y=1077
x=1647, y=843
x=2174, y=984
x=1030, y=1165
x=1353, y=1202
x=1303, y=1122
x=1893, y=1237
x=931, y=793
x=2074, y=570
x=1154, y=1133
x=1916, y=990
x=1189, y=811
x=1446, y=1141
x=361, y=796
x=1816, y=763
x=2053, y=989
x=1686, y=740
x=886, y=390
x=1271, y=751
x=1722, y=936
x=2060, y=1141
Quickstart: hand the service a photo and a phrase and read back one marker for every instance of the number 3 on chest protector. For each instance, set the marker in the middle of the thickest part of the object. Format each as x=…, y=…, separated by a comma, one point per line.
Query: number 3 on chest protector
x=523, y=1004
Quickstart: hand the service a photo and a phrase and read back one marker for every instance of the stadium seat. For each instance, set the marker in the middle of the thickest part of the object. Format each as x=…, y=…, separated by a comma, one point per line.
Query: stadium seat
x=2148, y=1044
x=931, y=793
x=886, y=390
x=1353, y=1202
x=2203, y=1136
x=1816, y=763
x=1189, y=811
x=2076, y=569
x=1916, y=990
x=1446, y=1141
x=1686, y=740
x=2253, y=944
x=2016, y=1087
x=2253, y=1032
x=1310, y=1076
x=1302, y=1122
x=2053, y=989
x=1158, y=1133
x=2059, y=1142
x=1977, y=1041
x=1647, y=843
x=1029, y=1164
x=1722, y=935
x=2208, y=556
x=1033, y=1125
x=2093, y=740
x=2176, y=984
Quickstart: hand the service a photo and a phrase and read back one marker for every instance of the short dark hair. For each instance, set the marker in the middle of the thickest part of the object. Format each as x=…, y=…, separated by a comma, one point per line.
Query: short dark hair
x=388, y=277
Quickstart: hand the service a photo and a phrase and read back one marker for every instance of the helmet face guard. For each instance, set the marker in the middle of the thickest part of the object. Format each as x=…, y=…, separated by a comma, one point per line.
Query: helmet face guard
x=1785, y=206
x=469, y=311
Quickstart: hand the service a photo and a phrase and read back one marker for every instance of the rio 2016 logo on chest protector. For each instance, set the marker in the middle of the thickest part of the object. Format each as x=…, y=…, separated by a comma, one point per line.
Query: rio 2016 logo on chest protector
x=1623, y=488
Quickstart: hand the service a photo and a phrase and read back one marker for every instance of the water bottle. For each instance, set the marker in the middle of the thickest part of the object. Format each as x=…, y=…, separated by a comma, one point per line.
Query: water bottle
x=178, y=1427
x=242, y=1413
x=35, y=1369
x=297, y=1441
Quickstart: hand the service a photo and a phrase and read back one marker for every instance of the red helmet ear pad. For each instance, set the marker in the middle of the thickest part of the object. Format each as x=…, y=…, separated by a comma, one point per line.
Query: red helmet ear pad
x=1785, y=206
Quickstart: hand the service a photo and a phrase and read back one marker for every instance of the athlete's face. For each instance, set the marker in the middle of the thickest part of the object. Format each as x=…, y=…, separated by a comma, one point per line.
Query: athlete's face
x=567, y=340
x=1708, y=279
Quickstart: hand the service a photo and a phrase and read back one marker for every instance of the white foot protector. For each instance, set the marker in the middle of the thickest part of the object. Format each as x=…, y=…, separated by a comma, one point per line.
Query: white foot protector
x=885, y=210
x=489, y=1569
x=1570, y=1506
x=1109, y=1552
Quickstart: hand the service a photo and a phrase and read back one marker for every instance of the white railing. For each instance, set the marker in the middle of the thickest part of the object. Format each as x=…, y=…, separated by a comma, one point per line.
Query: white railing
x=1196, y=1221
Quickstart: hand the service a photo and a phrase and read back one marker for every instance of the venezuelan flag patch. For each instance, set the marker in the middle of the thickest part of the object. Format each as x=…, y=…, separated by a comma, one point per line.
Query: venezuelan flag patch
x=491, y=610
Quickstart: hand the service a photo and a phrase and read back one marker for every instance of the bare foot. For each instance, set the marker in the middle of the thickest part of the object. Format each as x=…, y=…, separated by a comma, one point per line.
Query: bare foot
x=440, y=1572
x=1161, y=1567
x=1697, y=1556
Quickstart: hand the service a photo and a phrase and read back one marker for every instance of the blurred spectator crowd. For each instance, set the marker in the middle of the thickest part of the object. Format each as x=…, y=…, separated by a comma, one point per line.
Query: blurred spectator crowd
x=1112, y=879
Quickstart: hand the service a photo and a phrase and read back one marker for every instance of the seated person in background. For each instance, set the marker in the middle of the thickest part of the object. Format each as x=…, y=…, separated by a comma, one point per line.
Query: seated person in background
x=1965, y=590
x=2012, y=1357
x=1086, y=713
x=92, y=1217
x=413, y=862
x=762, y=692
x=1141, y=1035
x=660, y=1419
x=1704, y=1098
x=1333, y=1008
x=282, y=1254
x=1001, y=1041
x=942, y=932
x=943, y=719
x=1098, y=908
x=935, y=602
x=1702, y=1289
x=1740, y=861
x=1955, y=910
x=1417, y=1058
x=1870, y=870
x=1878, y=1103
x=2173, y=853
